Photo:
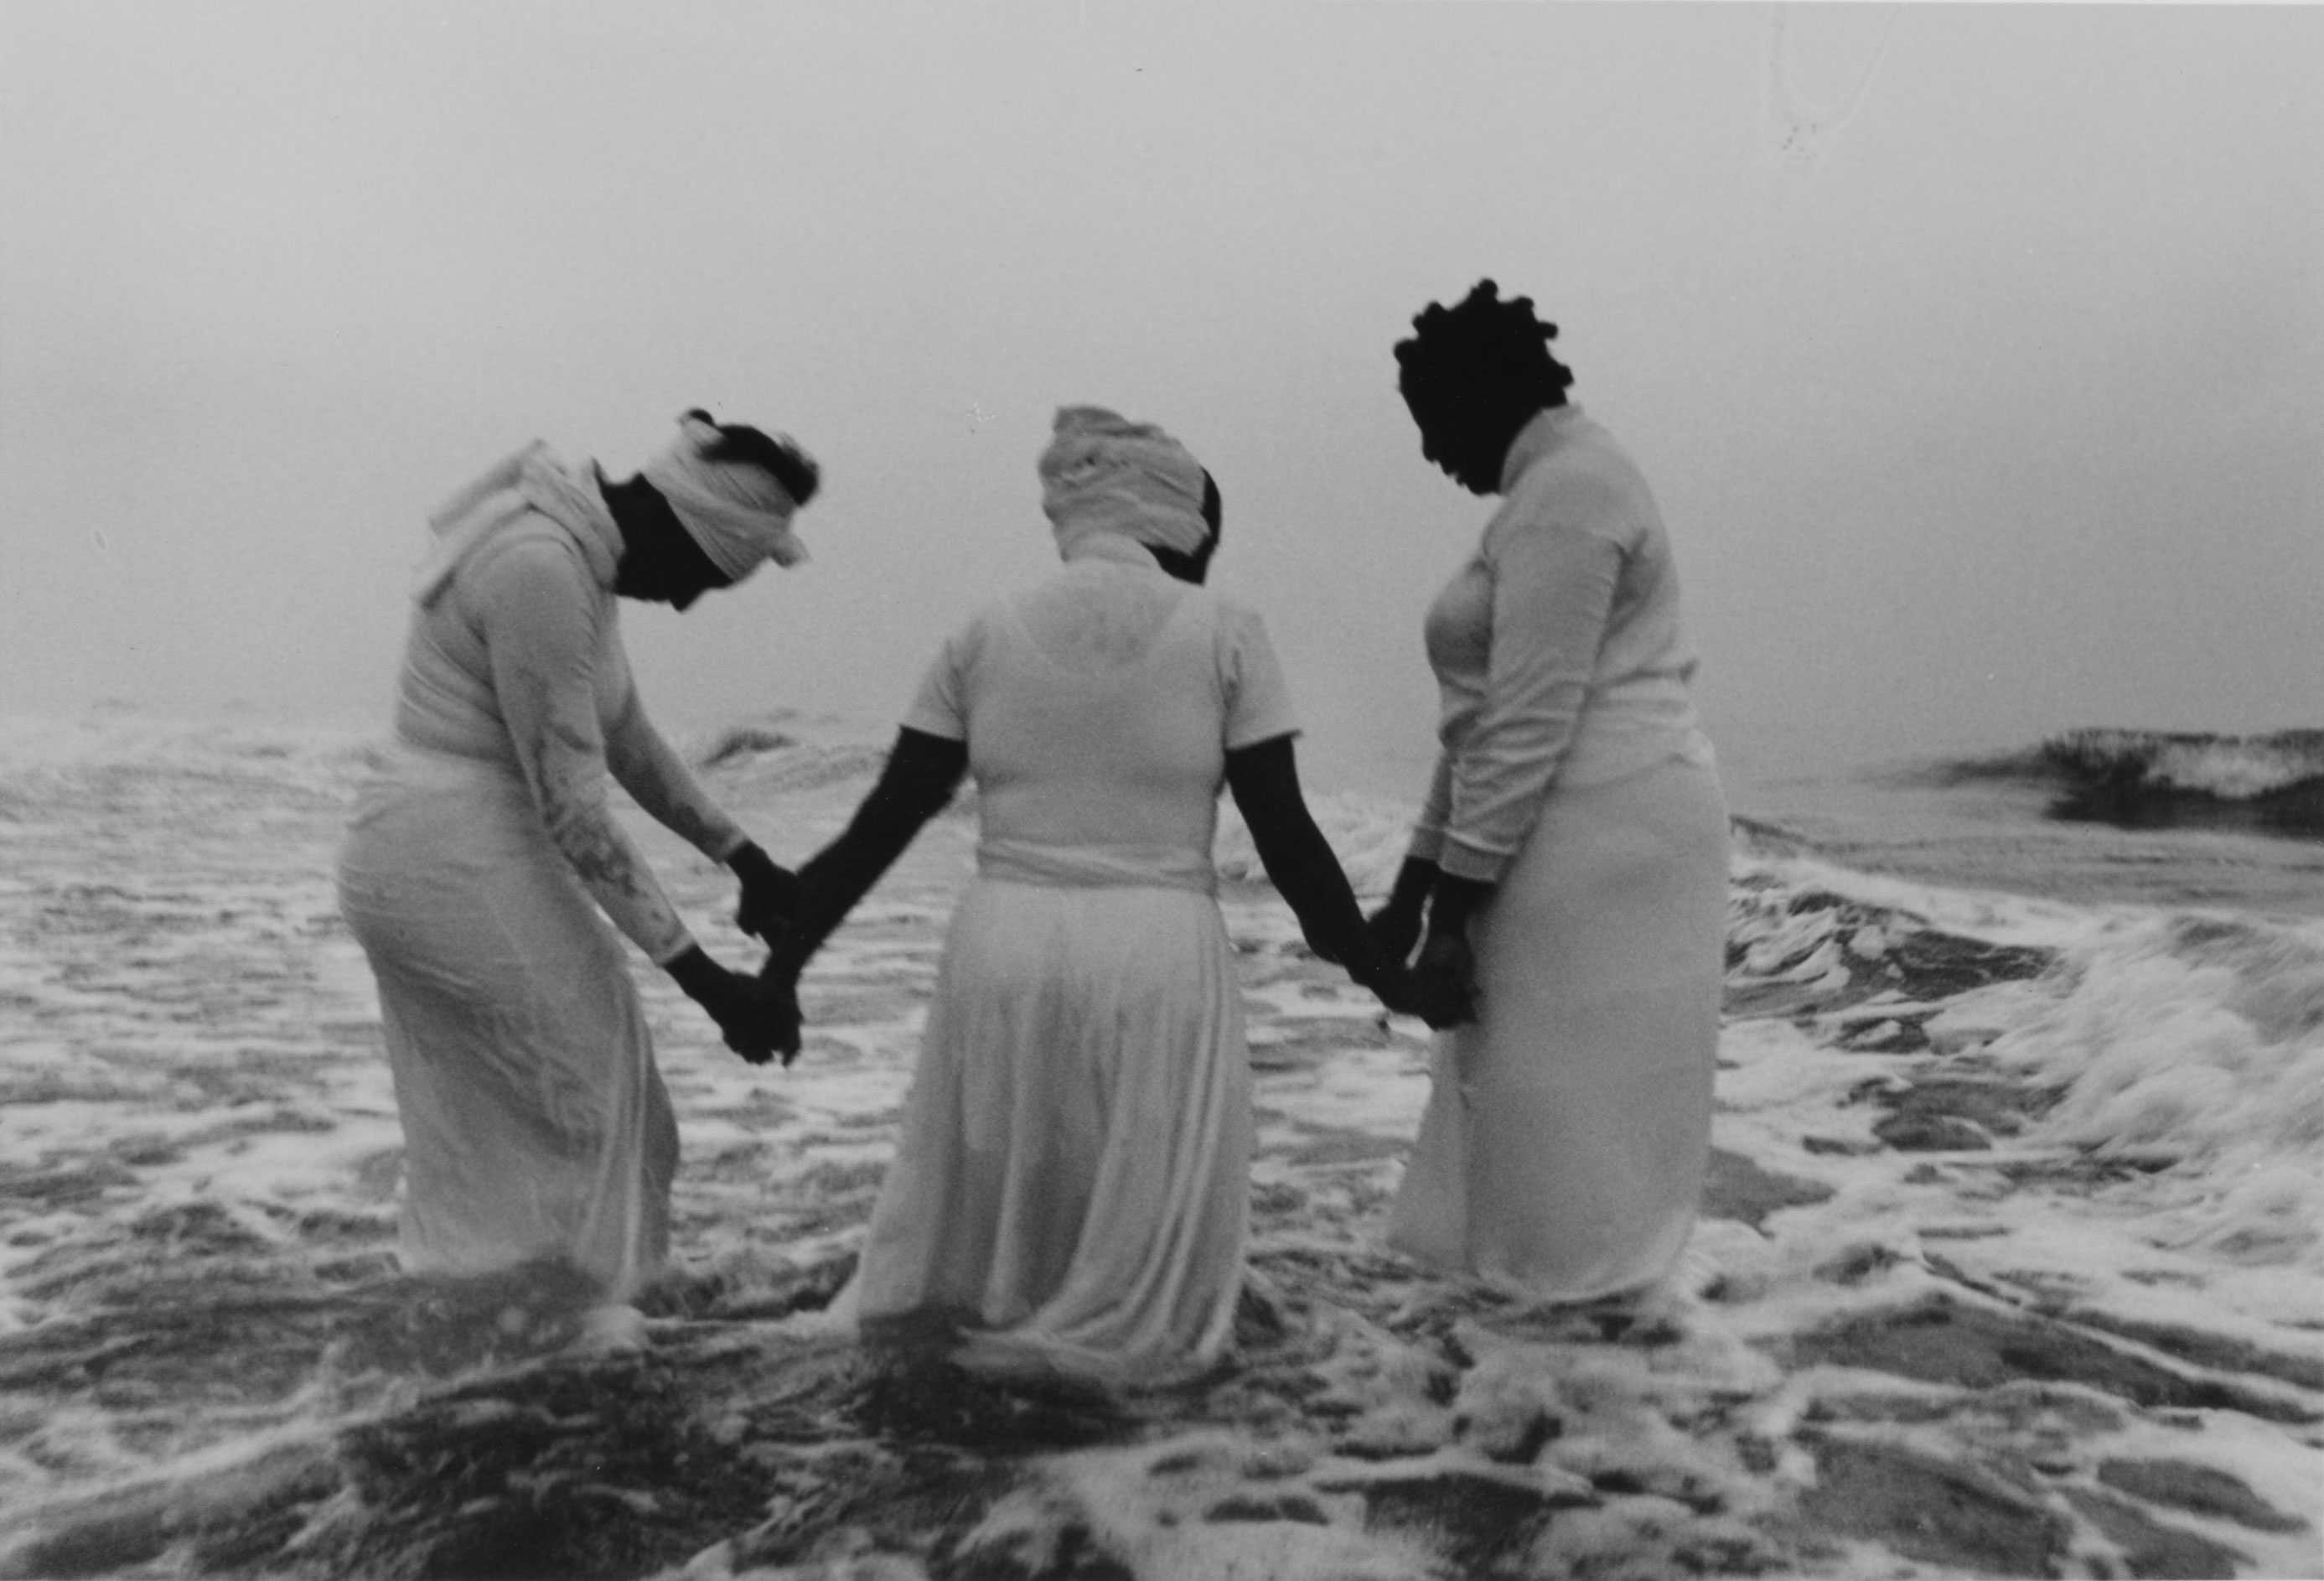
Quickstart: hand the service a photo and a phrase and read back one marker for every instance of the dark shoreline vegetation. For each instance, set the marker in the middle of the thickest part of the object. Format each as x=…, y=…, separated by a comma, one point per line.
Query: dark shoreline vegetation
x=2270, y=784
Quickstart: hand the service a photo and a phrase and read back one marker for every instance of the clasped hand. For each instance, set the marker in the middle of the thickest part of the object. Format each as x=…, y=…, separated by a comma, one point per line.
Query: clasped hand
x=758, y=1018
x=1440, y=985
x=770, y=892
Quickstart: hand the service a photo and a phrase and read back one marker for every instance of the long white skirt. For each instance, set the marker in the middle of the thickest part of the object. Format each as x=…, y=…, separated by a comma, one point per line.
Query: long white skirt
x=1562, y=1150
x=535, y=1123
x=1070, y=1191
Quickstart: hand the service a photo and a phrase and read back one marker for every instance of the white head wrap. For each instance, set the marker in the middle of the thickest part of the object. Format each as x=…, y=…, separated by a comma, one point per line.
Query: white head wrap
x=1103, y=474
x=736, y=511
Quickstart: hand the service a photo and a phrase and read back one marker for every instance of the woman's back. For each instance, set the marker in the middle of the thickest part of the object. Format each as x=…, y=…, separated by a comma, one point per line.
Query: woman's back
x=1098, y=707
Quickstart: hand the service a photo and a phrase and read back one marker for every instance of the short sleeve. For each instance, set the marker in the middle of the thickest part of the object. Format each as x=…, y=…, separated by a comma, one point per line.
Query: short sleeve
x=1257, y=699
x=940, y=708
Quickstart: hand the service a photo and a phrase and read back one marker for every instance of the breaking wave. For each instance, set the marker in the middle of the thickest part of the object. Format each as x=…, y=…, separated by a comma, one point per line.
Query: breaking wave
x=2270, y=783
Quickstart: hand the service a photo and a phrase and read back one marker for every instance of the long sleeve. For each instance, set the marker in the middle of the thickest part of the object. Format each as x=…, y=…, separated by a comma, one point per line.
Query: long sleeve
x=647, y=768
x=543, y=639
x=1553, y=586
x=1435, y=808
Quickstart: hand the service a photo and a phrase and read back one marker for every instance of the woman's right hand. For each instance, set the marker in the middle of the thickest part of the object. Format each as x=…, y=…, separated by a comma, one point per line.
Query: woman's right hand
x=757, y=1020
x=1444, y=980
x=1395, y=930
x=1395, y=927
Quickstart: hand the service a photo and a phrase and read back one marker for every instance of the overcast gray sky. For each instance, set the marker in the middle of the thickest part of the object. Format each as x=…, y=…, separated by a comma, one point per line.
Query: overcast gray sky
x=1976, y=352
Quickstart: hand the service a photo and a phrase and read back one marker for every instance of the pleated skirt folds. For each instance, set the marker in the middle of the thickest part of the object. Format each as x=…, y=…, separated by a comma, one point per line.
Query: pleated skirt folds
x=1069, y=1194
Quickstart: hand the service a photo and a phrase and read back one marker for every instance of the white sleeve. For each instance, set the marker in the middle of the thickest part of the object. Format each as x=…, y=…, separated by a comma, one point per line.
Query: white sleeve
x=1553, y=590
x=940, y=708
x=1436, y=807
x=542, y=643
x=1250, y=678
x=650, y=770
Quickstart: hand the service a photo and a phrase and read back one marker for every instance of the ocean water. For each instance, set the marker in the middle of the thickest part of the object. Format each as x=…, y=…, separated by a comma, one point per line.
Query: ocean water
x=2093, y=816
x=1983, y=1048
x=2179, y=878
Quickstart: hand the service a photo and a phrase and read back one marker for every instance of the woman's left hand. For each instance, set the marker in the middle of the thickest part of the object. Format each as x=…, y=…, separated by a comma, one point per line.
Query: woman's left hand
x=771, y=894
x=1444, y=980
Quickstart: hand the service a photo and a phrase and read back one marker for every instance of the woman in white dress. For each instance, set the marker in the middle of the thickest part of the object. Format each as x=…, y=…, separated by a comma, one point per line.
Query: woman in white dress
x=1068, y=1196
x=1570, y=863
x=484, y=849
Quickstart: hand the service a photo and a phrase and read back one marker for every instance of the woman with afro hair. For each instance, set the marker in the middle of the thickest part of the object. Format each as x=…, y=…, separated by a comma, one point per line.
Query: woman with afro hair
x=1569, y=865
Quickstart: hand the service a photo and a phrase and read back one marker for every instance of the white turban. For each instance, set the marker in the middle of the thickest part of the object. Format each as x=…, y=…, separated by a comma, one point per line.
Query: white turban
x=736, y=509
x=1103, y=474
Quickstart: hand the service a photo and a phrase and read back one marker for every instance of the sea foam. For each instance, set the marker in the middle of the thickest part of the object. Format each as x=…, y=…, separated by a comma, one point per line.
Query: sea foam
x=2196, y=1042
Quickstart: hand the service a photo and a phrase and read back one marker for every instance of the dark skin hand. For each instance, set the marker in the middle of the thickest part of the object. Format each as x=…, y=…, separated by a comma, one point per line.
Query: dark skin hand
x=1447, y=967
x=770, y=892
x=1396, y=926
x=1445, y=971
x=756, y=1024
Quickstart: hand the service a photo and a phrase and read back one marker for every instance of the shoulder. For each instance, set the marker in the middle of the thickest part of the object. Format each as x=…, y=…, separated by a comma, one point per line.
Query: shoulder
x=1586, y=485
x=530, y=558
x=1225, y=617
x=1232, y=616
x=533, y=577
x=1239, y=636
x=974, y=636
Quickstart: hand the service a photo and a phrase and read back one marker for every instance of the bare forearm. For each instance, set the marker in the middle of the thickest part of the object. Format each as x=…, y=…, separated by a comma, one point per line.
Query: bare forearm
x=1309, y=876
x=1265, y=781
x=921, y=774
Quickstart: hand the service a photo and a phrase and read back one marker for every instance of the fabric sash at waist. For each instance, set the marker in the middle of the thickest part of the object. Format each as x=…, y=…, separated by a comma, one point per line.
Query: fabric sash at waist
x=401, y=762
x=1015, y=861
x=1631, y=726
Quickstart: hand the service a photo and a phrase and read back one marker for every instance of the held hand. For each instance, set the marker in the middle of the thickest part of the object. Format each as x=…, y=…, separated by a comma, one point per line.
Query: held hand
x=735, y=1002
x=1444, y=979
x=1321, y=948
x=1394, y=929
x=776, y=1011
x=1393, y=986
x=771, y=894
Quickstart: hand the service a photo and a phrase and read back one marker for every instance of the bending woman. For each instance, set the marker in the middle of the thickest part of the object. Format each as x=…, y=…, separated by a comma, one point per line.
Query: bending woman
x=1069, y=1190
x=1571, y=858
x=484, y=848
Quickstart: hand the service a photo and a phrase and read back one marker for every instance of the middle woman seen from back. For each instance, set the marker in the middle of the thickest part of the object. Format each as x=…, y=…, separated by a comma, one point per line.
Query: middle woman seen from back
x=1069, y=1192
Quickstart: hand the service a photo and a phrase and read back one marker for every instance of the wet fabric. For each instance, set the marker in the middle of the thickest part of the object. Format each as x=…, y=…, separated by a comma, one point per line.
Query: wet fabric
x=535, y=1123
x=479, y=875
x=1069, y=1194
x=1563, y=1149
x=518, y=663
